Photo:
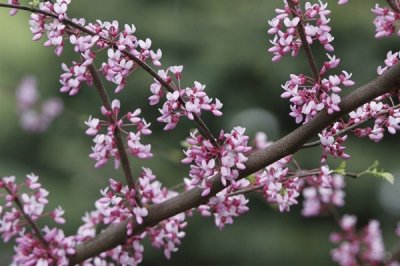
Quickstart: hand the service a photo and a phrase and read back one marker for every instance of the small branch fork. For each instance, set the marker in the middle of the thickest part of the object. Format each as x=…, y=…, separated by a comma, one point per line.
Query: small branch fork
x=117, y=134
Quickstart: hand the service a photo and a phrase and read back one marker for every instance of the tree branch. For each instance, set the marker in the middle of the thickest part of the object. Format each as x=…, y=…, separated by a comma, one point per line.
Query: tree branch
x=203, y=129
x=117, y=234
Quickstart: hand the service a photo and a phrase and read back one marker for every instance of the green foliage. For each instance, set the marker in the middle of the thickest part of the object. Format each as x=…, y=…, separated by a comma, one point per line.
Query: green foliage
x=373, y=170
x=376, y=172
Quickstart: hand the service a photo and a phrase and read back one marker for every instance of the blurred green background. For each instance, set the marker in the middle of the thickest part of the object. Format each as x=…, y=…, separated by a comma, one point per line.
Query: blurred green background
x=223, y=45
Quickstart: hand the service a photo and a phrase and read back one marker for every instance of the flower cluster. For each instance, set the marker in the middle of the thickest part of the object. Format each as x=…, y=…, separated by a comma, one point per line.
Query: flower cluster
x=308, y=97
x=35, y=116
x=124, y=50
x=73, y=77
x=19, y=212
x=189, y=102
x=321, y=191
x=30, y=251
x=118, y=204
x=130, y=253
x=206, y=160
x=384, y=115
x=277, y=187
x=385, y=21
x=106, y=145
x=315, y=18
x=391, y=60
x=122, y=46
x=224, y=206
x=382, y=110
x=55, y=29
x=332, y=143
x=358, y=248
x=119, y=66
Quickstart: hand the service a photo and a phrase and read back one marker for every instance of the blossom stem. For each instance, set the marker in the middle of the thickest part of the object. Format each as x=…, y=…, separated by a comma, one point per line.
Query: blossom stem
x=305, y=44
x=203, y=128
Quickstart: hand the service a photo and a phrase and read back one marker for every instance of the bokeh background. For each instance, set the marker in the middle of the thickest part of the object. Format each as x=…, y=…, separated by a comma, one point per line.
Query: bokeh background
x=223, y=45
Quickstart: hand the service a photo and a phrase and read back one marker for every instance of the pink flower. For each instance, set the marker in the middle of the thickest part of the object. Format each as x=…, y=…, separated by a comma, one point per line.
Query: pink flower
x=177, y=71
x=94, y=126
x=74, y=75
x=385, y=21
x=83, y=43
x=13, y=11
x=364, y=247
x=333, y=145
x=391, y=60
x=155, y=57
x=136, y=148
x=140, y=213
x=60, y=7
x=103, y=149
x=118, y=68
x=37, y=22
x=57, y=215
x=55, y=34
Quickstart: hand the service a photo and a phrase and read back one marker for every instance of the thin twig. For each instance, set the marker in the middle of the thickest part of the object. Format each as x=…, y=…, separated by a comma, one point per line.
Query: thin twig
x=177, y=186
x=33, y=225
x=120, y=143
x=257, y=187
x=394, y=4
x=341, y=132
x=304, y=42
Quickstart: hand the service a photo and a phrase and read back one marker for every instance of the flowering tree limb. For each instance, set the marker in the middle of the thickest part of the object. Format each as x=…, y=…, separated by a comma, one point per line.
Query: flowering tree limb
x=216, y=181
x=289, y=144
